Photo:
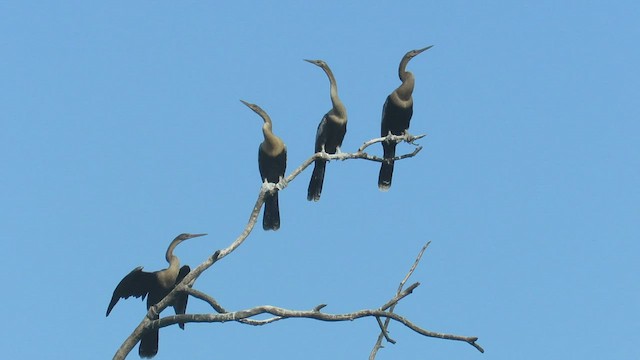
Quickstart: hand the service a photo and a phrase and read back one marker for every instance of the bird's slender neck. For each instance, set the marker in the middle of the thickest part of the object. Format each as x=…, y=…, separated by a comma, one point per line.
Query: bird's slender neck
x=267, y=127
x=173, y=260
x=272, y=144
x=406, y=89
x=338, y=106
x=402, y=69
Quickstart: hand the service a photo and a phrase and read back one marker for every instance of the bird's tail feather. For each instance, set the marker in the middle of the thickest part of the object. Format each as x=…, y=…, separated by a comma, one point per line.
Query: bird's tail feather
x=149, y=344
x=271, y=217
x=317, y=179
x=386, y=169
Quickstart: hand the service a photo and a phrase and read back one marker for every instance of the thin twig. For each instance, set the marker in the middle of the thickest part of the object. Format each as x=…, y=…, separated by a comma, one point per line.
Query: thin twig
x=399, y=296
x=384, y=331
x=217, y=307
x=408, y=138
x=206, y=298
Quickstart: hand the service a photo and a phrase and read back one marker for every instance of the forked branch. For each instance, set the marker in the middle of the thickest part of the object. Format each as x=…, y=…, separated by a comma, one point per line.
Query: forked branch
x=359, y=154
x=383, y=327
x=245, y=316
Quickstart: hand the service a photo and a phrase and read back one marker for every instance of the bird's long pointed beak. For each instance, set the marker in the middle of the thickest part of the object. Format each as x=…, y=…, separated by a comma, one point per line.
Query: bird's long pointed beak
x=191, y=236
x=424, y=49
x=256, y=109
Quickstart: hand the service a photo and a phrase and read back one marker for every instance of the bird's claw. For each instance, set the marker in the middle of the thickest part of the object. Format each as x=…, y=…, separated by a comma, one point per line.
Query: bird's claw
x=409, y=138
x=269, y=187
x=282, y=183
x=153, y=310
x=323, y=155
x=387, y=138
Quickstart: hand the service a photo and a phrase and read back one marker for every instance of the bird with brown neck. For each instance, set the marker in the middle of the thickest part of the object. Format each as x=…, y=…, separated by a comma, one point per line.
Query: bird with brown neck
x=396, y=116
x=272, y=163
x=330, y=133
x=155, y=286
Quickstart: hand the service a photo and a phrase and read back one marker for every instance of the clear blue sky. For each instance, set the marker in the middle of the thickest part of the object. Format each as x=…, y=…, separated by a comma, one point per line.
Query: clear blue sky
x=121, y=128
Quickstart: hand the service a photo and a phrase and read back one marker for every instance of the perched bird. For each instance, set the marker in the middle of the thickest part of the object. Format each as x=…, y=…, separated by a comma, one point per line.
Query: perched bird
x=330, y=134
x=155, y=286
x=272, y=163
x=396, y=115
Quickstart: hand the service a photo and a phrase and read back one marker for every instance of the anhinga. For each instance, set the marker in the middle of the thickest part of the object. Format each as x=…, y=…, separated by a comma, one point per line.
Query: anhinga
x=330, y=134
x=272, y=163
x=396, y=115
x=155, y=285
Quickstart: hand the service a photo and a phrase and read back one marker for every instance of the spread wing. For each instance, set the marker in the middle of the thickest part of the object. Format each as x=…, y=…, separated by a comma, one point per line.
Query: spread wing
x=180, y=304
x=137, y=283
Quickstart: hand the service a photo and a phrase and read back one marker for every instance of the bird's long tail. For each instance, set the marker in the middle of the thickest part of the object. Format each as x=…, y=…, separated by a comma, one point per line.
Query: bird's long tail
x=317, y=179
x=149, y=344
x=271, y=217
x=386, y=170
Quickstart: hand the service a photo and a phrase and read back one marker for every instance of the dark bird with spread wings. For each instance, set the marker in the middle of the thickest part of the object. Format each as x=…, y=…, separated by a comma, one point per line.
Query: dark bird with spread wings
x=155, y=286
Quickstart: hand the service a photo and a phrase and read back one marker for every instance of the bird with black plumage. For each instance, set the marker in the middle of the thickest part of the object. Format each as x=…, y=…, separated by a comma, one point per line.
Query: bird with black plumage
x=330, y=134
x=155, y=286
x=396, y=117
x=272, y=164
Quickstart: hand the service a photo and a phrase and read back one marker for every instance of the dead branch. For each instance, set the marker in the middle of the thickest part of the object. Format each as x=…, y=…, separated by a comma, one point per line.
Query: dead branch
x=244, y=316
x=383, y=327
x=309, y=314
x=218, y=308
x=359, y=154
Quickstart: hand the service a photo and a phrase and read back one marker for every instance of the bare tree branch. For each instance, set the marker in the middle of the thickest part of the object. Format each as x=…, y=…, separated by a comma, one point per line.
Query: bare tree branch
x=309, y=314
x=280, y=313
x=244, y=316
x=383, y=333
x=359, y=154
x=217, y=307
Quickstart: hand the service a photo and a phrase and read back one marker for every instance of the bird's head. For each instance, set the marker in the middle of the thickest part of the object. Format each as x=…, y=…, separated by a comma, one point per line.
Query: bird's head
x=411, y=54
x=251, y=106
x=258, y=110
x=319, y=63
x=182, y=237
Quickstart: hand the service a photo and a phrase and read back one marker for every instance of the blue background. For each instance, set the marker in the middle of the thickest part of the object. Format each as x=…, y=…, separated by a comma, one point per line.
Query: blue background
x=121, y=128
